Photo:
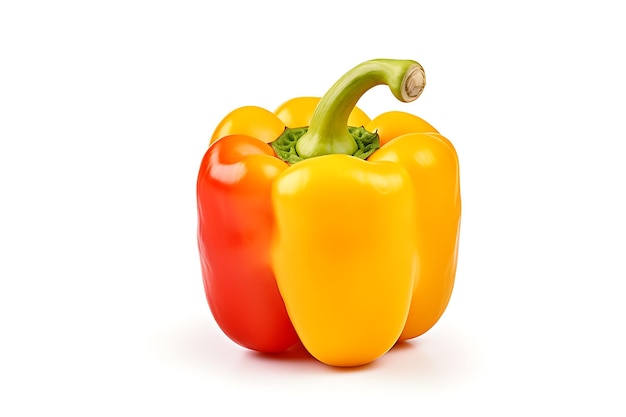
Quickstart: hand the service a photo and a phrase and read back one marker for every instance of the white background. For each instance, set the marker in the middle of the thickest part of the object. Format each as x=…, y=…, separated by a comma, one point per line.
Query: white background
x=106, y=109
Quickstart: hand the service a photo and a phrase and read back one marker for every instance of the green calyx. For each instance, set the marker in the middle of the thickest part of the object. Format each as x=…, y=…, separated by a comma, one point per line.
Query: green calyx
x=285, y=145
x=328, y=132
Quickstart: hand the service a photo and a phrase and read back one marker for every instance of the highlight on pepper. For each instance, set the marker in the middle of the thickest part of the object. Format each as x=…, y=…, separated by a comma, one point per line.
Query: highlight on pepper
x=318, y=225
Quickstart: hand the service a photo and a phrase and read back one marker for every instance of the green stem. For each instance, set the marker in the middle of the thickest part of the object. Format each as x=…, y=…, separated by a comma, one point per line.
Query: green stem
x=328, y=132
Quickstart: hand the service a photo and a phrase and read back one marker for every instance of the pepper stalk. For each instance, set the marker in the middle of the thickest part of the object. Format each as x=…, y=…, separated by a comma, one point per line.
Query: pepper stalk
x=328, y=132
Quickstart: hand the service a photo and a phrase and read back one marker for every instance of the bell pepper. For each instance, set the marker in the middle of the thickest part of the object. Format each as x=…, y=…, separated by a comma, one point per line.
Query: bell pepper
x=319, y=225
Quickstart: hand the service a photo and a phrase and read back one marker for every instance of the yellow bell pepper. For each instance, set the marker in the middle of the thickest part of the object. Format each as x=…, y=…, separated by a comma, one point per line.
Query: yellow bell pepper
x=357, y=221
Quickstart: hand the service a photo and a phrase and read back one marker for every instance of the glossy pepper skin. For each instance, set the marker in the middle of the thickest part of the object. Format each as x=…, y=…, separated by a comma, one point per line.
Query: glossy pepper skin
x=348, y=255
x=236, y=225
x=354, y=261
